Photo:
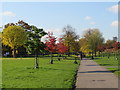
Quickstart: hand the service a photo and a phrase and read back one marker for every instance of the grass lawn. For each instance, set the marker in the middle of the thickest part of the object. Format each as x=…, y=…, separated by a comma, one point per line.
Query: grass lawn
x=20, y=73
x=111, y=63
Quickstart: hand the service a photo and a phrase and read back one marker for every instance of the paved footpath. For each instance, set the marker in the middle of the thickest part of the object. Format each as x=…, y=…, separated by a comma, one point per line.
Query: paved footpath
x=91, y=75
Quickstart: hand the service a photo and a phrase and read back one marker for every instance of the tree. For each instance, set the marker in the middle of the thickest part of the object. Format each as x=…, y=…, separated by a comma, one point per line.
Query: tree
x=61, y=47
x=0, y=36
x=84, y=47
x=51, y=45
x=3, y=48
x=21, y=23
x=34, y=44
x=109, y=44
x=34, y=36
x=76, y=47
x=69, y=38
x=21, y=49
x=32, y=32
x=101, y=48
x=116, y=45
x=0, y=43
x=94, y=38
x=14, y=37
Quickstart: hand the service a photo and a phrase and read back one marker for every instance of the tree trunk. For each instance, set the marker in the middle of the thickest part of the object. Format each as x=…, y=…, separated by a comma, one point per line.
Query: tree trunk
x=36, y=60
x=62, y=56
x=36, y=63
x=89, y=53
x=95, y=53
x=68, y=50
x=58, y=57
x=51, y=61
x=81, y=55
x=99, y=53
x=102, y=54
x=14, y=53
x=92, y=56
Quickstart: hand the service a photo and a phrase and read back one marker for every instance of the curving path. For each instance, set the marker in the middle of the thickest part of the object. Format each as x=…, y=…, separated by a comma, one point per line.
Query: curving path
x=91, y=75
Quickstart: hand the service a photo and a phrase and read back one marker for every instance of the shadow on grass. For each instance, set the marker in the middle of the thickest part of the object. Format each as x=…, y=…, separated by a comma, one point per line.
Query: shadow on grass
x=96, y=72
x=113, y=69
x=105, y=64
x=42, y=68
x=92, y=65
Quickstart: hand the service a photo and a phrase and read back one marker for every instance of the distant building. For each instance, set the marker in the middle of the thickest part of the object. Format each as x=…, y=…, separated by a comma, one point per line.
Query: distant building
x=115, y=38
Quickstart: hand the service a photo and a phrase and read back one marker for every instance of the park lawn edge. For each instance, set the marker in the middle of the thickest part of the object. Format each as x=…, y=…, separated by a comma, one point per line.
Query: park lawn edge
x=115, y=70
x=73, y=78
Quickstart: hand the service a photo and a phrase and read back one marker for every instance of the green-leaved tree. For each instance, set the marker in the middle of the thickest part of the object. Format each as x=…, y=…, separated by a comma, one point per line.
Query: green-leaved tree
x=70, y=38
x=94, y=38
x=34, y=44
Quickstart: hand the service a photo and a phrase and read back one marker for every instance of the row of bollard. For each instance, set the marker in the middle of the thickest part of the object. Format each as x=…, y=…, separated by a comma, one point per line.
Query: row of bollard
x=51, y=61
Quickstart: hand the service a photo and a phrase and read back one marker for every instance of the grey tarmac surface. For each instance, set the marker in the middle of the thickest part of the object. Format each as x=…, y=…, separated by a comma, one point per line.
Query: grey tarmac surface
x=91, y=75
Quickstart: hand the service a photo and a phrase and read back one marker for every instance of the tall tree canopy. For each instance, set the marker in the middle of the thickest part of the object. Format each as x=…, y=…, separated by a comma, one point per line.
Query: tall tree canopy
x=116, y=45
x=70, y=37
x=34, y=36
x=109, y=43
x=14, y=37
x=61, y=47
x=34, y=44
x=84, y=47
x=0, y=43
x=51, y=45
x=94, y=38
x=0, y=37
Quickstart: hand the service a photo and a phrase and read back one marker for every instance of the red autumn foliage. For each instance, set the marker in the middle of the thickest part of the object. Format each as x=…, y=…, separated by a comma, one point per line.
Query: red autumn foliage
x=61, y=47
x=51, y=43
x=101, y=48
x=116, y=45
x=108, y=46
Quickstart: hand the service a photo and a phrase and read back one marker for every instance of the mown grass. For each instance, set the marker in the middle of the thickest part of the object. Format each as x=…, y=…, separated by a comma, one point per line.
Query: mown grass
x=111, y=63
x=115, y=70
x=20, y=73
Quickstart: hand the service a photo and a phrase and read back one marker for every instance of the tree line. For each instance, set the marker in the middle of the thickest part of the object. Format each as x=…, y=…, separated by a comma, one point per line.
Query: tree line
x=21, y=38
